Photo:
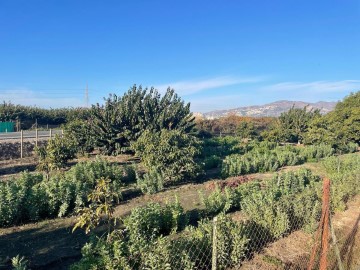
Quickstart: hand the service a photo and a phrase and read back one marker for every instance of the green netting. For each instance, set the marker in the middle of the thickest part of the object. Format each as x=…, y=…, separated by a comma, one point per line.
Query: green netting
x=6, y=127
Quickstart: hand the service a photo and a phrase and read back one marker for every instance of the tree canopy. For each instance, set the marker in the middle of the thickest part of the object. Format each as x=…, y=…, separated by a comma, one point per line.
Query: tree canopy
x=292, y=125
x=122, y=120
x=338, y=127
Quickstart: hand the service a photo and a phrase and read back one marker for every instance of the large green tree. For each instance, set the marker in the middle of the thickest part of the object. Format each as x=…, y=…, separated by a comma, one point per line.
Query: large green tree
x=292, y=125
x=122, y=120
x=338, y=127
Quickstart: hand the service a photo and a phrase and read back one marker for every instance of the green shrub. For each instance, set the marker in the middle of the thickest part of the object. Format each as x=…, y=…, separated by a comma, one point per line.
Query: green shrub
x=212, y=162
x=171, y=152
x=151, y=182
x=291, y=201
x=219, y=201
x=268, y=157
x=79, y=133
x=316, y=152
x=288, y=202
x=55, y=154
x=32, y=197
x=344, y=175
x=145, y=224
x=229, y=199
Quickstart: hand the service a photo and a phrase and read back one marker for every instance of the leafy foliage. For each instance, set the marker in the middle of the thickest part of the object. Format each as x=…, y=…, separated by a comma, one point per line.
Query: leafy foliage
x=55, y=154
x=338, y=127
x=122, y=120
x=29, y=115
x=151, y=182
x=228, y=199
x=19, y=263
x=79, y=133
x=170, y=152
x=32, y=197
x=101, y=202
x=345, y=176
x=290, y=202
x=145, y=224
x=265, y=157
x=291, y=126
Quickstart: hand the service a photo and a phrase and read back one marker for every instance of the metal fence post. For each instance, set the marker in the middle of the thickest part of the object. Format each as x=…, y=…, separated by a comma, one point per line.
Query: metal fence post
x=214, y=248
x=21, y=143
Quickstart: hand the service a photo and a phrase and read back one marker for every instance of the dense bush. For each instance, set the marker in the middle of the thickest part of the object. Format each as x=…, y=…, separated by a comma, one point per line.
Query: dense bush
x=170, y=152
x=290, y=201
x=316, y=152
x=228, y=199
x=291, y=126
x=339, y=127
x=122, y=120
x=55, y=154
x=151, y=182
x=115, y=252
x=79, y=132
x=256, y=161
x=149, y=222
x=222, y=146
x=344, y=174
x=31, y=197
x=269, y=157
x=212, y=162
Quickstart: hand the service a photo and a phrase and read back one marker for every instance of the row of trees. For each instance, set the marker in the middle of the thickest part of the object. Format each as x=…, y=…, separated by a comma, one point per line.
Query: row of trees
x=304, y=125
x=336, y=128
x=27, y=116
x=244, y=127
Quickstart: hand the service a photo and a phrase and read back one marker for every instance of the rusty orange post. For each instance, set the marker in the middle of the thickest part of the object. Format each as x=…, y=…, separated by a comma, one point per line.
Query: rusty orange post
x=325, y=235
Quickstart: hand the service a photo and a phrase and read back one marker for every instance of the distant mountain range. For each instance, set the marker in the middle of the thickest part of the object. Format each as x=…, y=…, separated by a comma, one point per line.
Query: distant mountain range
x=270, y=109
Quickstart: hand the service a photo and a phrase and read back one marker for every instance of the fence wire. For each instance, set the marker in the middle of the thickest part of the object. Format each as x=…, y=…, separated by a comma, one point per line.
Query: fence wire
x=222, y=243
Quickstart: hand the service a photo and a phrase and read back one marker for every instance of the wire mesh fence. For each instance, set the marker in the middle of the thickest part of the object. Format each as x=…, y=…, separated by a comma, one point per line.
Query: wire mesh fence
x=278, y=241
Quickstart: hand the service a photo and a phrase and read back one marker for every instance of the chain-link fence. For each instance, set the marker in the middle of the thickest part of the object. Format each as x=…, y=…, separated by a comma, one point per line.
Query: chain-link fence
x=292, y=232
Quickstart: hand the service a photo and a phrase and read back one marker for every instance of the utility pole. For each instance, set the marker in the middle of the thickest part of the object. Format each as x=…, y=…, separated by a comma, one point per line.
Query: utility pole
x=87, y=96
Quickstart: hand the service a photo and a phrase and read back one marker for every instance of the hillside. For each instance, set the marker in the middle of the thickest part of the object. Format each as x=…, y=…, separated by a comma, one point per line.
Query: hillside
x=271, y=109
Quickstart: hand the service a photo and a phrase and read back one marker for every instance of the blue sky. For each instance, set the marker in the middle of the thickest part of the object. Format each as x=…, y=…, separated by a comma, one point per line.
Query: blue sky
x=216, y=54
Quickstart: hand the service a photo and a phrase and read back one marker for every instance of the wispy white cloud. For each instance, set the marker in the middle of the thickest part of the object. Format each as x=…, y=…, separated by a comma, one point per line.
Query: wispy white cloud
x=32, y=98
x=194, y=86
x=317, y=87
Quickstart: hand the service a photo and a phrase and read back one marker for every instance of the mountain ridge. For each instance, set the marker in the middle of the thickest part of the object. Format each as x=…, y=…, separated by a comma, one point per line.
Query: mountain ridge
x=272, y=109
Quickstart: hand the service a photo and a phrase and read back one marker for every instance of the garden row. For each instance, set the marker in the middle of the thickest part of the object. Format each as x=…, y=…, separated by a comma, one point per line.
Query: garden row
x=288, y=202
x=33, y=197
x=270, y=158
